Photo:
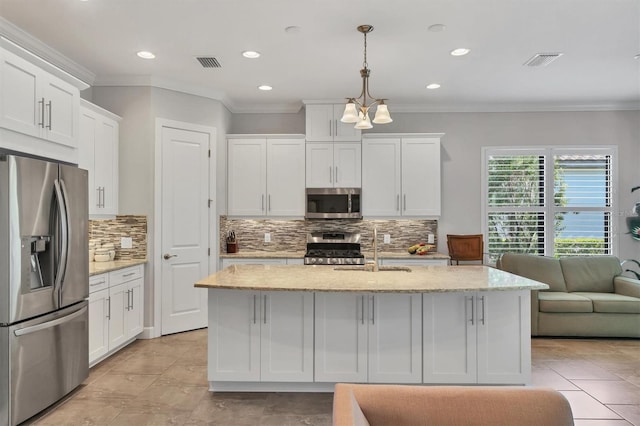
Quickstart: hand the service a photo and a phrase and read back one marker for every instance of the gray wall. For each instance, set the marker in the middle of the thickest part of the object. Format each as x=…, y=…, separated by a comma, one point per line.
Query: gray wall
x=139, y=107
x=465, y=135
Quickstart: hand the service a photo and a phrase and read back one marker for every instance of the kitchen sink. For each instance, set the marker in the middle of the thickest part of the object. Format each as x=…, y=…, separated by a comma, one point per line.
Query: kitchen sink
x=369, y=268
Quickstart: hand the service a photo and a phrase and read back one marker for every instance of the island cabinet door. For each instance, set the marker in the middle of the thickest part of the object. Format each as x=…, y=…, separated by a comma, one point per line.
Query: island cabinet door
x=449, y=338
x=340, y=337
x=234, y=335
x=504, y=337
x=395, y=338
x=286, y=336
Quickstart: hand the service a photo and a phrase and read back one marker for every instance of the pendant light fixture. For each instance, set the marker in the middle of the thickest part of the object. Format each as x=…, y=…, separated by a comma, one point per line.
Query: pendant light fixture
x=360, y=114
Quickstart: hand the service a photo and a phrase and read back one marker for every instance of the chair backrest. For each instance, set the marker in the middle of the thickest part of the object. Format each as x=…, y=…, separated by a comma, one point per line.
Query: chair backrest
x=465, y=247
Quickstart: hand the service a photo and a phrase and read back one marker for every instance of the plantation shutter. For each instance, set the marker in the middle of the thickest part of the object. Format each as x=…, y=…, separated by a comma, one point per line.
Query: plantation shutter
x=554, y=201
x=516, y=203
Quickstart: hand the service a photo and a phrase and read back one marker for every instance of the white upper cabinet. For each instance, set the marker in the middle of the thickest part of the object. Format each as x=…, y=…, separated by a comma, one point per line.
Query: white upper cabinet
x=266, y=175
x=334, y=165
x=401, y=175
x=98, y=153
x=40, y=107
x=323, y=124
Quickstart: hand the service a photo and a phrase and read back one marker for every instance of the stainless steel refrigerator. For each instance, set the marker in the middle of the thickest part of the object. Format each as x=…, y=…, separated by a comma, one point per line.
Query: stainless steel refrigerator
x=44, y=284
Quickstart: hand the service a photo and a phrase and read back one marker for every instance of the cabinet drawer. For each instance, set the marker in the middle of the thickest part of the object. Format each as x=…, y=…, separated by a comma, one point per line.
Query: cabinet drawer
x=124, y=275
x=98, y=282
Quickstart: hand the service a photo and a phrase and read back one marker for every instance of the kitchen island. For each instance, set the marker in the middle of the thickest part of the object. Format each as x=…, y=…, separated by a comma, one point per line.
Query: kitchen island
x=304, y=328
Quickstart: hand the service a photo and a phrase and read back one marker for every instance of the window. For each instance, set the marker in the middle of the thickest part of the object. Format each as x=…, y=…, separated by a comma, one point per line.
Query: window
x=548, y=201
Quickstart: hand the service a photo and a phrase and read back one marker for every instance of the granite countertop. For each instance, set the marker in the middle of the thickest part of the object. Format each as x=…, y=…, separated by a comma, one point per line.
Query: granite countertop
x=300, y=254
x=421, y=279
x=96, y=268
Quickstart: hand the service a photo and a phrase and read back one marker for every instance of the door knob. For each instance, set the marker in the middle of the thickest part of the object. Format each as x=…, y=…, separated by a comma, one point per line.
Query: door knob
x=168, y=256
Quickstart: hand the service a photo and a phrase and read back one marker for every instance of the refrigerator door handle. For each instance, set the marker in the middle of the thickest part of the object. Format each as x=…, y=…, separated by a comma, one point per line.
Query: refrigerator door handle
x=64, y=231
x=44, y=326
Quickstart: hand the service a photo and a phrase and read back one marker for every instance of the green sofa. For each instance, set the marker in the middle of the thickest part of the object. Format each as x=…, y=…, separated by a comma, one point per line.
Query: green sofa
x=587, y=296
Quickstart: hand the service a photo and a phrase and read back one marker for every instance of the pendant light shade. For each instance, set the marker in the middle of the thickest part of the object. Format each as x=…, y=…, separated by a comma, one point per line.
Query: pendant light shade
x=350, y=113
x=364, y=122
x=382, y=115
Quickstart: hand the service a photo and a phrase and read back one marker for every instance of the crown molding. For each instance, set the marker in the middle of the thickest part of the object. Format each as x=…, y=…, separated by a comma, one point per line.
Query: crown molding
x=32, y=45
x=514, y=107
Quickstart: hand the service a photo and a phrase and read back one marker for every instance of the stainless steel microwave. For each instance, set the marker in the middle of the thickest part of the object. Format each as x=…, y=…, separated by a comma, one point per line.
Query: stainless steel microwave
x=333, y=203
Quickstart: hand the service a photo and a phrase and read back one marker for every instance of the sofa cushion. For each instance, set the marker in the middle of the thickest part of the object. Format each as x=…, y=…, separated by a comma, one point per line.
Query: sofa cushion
x=612, y=302
x=591, y=274
x=550, y=301
x=538, y=268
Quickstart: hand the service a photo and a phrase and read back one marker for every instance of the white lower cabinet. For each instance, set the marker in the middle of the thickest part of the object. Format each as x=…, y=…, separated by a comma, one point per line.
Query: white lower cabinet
x=372, y=338
x=115, y=310
x=477, y=337
x=260, y=336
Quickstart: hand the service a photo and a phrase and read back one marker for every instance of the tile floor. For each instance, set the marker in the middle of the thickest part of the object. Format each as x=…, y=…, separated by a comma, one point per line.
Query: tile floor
x=163, y=382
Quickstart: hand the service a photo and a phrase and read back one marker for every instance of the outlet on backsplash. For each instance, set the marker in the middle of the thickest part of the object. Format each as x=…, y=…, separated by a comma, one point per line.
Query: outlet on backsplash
x=127, y=233
x=387, y=239
x=267, y=237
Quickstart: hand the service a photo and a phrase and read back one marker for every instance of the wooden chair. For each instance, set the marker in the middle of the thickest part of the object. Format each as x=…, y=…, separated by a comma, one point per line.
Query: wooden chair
x=465, y=248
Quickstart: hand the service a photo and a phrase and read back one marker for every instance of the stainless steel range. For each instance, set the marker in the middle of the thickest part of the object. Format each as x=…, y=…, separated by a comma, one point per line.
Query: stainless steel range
x=333, y=248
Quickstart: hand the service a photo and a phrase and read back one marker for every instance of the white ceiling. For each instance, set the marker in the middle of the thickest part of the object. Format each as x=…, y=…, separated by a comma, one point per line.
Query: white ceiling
x=599, y=39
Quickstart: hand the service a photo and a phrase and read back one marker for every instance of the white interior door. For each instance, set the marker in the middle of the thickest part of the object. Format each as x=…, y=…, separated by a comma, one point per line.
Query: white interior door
x=185, y=228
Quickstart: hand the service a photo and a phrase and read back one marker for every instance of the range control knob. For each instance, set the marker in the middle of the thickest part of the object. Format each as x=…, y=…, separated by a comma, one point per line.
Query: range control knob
x=333, y=260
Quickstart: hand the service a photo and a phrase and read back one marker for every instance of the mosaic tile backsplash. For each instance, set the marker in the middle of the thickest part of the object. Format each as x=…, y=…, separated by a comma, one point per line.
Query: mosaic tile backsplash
x=111, y=230
x=291, y=235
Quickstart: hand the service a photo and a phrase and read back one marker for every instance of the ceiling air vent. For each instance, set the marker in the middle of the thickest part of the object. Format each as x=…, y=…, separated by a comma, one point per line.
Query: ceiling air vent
x=542, y=59
x=208, y=62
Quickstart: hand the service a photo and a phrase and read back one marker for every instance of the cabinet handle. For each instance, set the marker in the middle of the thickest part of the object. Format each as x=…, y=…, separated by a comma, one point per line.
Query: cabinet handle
x=127, y=307
x=254, y=308
x=405, y=202
x=361, y=309
x=472, y=320
x=330, y=175
x=483, y=313
x=336, y=174
x=330, y=128
x=131, y=301
x=41, y=123
x=128, y=274
x=109, y=308
x=264, y=313
x=373, y=309
x=103, y=196
x=49, y=126
x=98, y=198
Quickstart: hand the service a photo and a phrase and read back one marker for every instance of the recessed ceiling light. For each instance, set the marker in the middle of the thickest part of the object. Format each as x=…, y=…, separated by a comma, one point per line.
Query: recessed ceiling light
x=436, y=28
x=461, y=51
x=293, y=29
x=146, y=55
x=265, y=87
x=251, y=54
x=433, y=86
